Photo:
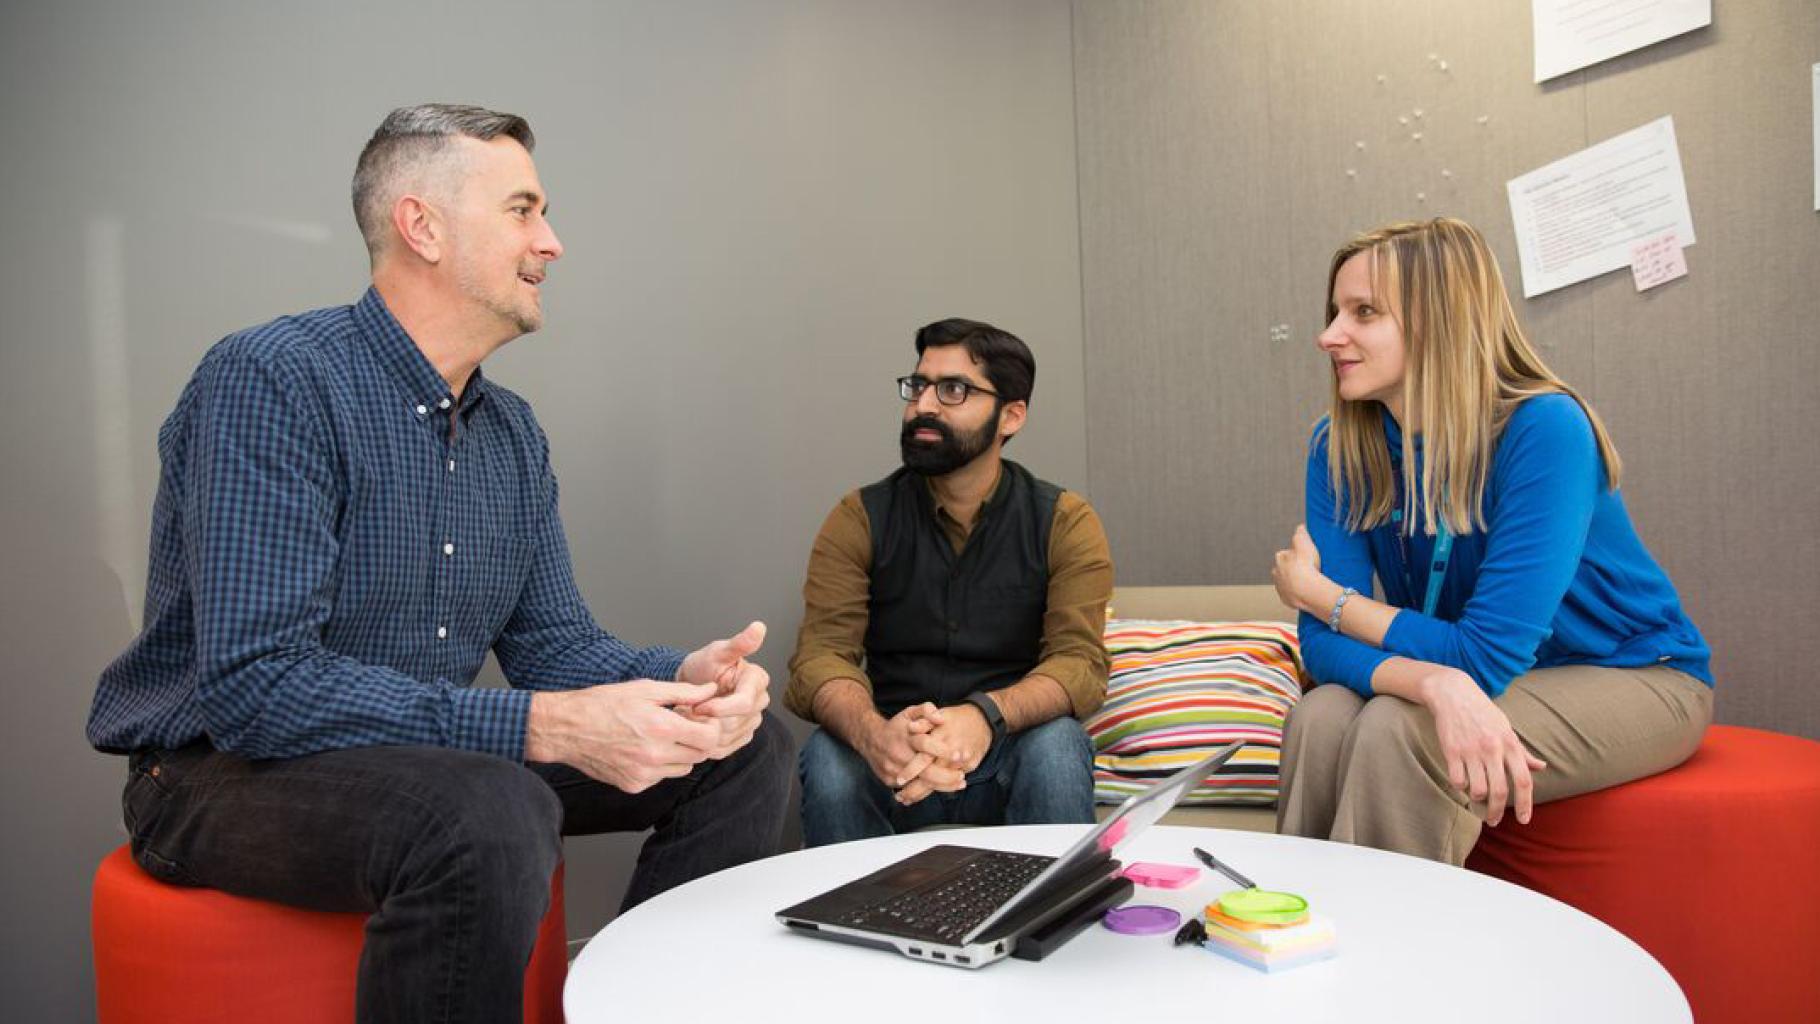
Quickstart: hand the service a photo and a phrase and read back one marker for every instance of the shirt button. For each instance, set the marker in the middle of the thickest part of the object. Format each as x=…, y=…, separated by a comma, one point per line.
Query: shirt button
x=422, y=410
x=444, y=404
x=451, y=465
x=448, y=549
x=442, y=632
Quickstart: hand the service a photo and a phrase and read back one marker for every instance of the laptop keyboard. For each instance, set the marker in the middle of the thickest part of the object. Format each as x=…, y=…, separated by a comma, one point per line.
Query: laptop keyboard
x=945, y=908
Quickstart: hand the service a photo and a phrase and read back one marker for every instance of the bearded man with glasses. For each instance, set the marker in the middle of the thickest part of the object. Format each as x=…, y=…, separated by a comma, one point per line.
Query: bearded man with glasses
x=951, y=635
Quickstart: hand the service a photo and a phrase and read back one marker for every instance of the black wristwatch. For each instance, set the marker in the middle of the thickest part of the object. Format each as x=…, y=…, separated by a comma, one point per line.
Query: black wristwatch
x=994, y=717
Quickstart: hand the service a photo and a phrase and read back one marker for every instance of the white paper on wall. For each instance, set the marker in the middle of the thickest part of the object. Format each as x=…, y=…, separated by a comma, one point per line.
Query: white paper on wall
x=1579, y=216
x=1817, y=136
x=1572, y=34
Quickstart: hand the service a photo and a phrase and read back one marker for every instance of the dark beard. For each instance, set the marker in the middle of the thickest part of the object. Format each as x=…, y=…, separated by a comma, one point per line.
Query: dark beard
x=939, y=458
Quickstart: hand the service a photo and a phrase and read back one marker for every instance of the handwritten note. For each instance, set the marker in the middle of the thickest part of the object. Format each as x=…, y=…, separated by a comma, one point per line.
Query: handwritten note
x=1572, y=34
x=1657, y=261
x=1579, y=216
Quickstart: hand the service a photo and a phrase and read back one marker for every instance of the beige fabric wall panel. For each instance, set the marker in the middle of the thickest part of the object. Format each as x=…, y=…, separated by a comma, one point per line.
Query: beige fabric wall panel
x=1710, y=382
x=1215, y=142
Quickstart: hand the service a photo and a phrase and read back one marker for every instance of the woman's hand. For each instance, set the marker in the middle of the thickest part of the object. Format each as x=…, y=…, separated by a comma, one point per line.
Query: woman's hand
x=1298, y=579
x=1485, y=759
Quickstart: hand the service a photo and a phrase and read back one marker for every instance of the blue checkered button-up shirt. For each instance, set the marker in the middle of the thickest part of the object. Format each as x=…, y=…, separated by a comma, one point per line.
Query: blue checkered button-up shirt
x=337, y=543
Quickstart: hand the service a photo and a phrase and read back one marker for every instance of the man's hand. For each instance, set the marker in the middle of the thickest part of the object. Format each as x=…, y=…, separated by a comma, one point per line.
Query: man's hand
x=934, y=778
x=624, y=734
x=959, y=740
x=1485, y=759
x=721, y=661
x=886, y=746
x=945, y=753
x=742, y=688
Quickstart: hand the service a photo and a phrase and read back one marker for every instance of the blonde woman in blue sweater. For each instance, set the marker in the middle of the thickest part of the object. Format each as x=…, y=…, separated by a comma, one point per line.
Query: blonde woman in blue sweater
x=1528, y=648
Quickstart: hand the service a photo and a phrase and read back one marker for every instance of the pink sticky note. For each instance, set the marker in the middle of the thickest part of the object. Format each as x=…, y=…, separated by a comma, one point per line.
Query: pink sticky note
x=1657, y=260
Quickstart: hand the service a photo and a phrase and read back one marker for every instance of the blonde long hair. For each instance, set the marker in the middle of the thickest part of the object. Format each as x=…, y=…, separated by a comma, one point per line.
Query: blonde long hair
x=1468, y=366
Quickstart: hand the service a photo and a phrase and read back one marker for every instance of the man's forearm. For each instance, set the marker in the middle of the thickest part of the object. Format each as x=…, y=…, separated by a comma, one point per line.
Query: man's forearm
x=844, y=708
x=1031, y=701
x=545, y=727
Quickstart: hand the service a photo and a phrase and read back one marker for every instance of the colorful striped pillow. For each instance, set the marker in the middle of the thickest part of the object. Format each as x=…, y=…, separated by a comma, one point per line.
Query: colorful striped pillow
x=1179, y=690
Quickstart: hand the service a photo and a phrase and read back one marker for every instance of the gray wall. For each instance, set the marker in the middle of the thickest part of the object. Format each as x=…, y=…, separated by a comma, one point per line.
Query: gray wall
x=1214, y=144
x=761, y=200
x=760, y=203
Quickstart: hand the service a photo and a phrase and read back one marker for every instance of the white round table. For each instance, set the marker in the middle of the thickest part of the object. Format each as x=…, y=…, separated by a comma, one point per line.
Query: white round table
x=1418, y=941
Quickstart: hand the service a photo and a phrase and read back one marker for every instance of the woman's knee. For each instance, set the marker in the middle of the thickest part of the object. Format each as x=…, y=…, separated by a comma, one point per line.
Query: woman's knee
x=1325, y=712
x=1391, y=726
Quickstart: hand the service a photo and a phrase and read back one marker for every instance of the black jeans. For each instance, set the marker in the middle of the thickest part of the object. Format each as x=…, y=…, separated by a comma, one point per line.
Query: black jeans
x=451, y=852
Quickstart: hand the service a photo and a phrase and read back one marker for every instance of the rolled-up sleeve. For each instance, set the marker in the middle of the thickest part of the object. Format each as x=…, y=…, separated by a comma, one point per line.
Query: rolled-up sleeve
x=830, y=644
x=1074, y=624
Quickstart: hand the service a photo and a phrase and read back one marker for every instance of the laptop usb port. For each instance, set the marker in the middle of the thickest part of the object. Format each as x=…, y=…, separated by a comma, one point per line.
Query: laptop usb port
x=961, y=959
x=938, y=954
x=915, y=952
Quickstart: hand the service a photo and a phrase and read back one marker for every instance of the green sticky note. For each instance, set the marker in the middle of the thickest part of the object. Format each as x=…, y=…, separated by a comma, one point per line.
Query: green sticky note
x=1263, y=906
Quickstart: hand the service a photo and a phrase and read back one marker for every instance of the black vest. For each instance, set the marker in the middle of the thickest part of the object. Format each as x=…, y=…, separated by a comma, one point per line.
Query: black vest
x=944, y=625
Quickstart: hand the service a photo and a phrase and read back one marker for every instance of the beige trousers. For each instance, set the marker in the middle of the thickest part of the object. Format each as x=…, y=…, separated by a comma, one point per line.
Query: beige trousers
x=1370, y=772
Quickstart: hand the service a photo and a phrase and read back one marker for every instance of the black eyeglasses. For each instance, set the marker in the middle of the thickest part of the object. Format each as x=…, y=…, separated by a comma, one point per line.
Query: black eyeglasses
x=948, y=390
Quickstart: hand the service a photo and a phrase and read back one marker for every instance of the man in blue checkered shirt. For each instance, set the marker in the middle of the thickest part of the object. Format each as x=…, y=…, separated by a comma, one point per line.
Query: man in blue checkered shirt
x=349, y=518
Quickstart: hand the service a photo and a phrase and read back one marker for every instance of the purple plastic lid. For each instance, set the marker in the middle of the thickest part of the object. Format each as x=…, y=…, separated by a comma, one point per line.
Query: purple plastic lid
x=1141, y=920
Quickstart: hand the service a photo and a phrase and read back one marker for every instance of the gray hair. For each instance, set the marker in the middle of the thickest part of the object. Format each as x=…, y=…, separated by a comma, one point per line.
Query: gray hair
x=410, y=139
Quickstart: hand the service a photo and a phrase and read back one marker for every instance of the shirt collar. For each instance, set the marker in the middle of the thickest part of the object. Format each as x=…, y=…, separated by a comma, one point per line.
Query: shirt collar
x=998, y=491
x=423, y=388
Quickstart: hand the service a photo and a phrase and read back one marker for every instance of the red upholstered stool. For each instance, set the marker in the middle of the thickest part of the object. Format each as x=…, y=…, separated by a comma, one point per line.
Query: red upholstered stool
x=166, y=953
x=1713, y=867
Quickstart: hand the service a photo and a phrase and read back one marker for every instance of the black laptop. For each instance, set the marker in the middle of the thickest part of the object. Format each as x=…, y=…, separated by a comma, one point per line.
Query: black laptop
x=968, y=907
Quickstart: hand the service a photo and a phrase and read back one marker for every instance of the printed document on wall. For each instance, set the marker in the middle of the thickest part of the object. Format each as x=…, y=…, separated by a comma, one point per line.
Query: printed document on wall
x=1572, y=34
x=1579, y=216
x=1817, y=136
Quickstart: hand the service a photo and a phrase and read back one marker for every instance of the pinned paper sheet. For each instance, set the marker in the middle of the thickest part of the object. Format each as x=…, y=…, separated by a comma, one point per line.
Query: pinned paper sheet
x=1657, y=261
x=1572, y=34
x=1579, y=216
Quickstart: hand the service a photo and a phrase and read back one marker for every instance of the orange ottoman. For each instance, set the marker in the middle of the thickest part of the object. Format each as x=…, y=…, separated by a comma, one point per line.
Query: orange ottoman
x=167, y=953
x=1713, y=867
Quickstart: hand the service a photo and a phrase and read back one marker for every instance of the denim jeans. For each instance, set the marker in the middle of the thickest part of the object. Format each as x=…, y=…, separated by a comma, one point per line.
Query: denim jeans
x=1039, y=776
x=449, y=851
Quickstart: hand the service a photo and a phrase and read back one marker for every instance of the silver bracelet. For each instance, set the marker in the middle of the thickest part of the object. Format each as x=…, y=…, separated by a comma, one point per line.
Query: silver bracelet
x=1333, y=620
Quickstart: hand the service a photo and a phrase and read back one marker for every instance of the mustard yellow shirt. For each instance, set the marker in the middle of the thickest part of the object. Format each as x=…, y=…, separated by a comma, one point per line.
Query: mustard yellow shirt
x=831, y=641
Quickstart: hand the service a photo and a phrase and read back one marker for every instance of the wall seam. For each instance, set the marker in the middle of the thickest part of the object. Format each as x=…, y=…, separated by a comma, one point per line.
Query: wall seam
x=1080, y=257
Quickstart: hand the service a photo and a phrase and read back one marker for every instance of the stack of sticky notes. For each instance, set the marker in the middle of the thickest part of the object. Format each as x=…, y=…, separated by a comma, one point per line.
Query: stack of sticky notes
x=1270, y=931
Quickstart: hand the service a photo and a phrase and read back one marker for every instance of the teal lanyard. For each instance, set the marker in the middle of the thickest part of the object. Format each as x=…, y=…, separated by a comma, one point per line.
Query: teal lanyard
x=1437, y=565
x=1437, y=569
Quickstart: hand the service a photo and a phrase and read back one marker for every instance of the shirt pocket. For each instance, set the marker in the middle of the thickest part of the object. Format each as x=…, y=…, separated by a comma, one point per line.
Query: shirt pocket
x=503, y=570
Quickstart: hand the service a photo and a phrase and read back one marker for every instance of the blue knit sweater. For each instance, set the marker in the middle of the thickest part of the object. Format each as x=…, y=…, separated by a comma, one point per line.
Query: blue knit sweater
x=1559, y=577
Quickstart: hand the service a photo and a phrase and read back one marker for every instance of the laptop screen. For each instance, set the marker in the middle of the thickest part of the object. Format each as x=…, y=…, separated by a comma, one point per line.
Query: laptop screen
x=1136, y=814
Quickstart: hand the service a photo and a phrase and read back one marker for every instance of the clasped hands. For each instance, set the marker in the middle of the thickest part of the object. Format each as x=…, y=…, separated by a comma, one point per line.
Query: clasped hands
x=926, y=749
x=635, y=734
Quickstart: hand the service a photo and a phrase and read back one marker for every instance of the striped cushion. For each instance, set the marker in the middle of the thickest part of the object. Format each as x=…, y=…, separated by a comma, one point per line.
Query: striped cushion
x=1180, y=690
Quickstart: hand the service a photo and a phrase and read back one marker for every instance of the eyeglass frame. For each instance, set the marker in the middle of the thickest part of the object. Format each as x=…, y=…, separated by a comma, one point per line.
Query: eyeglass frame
x=920, y=384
